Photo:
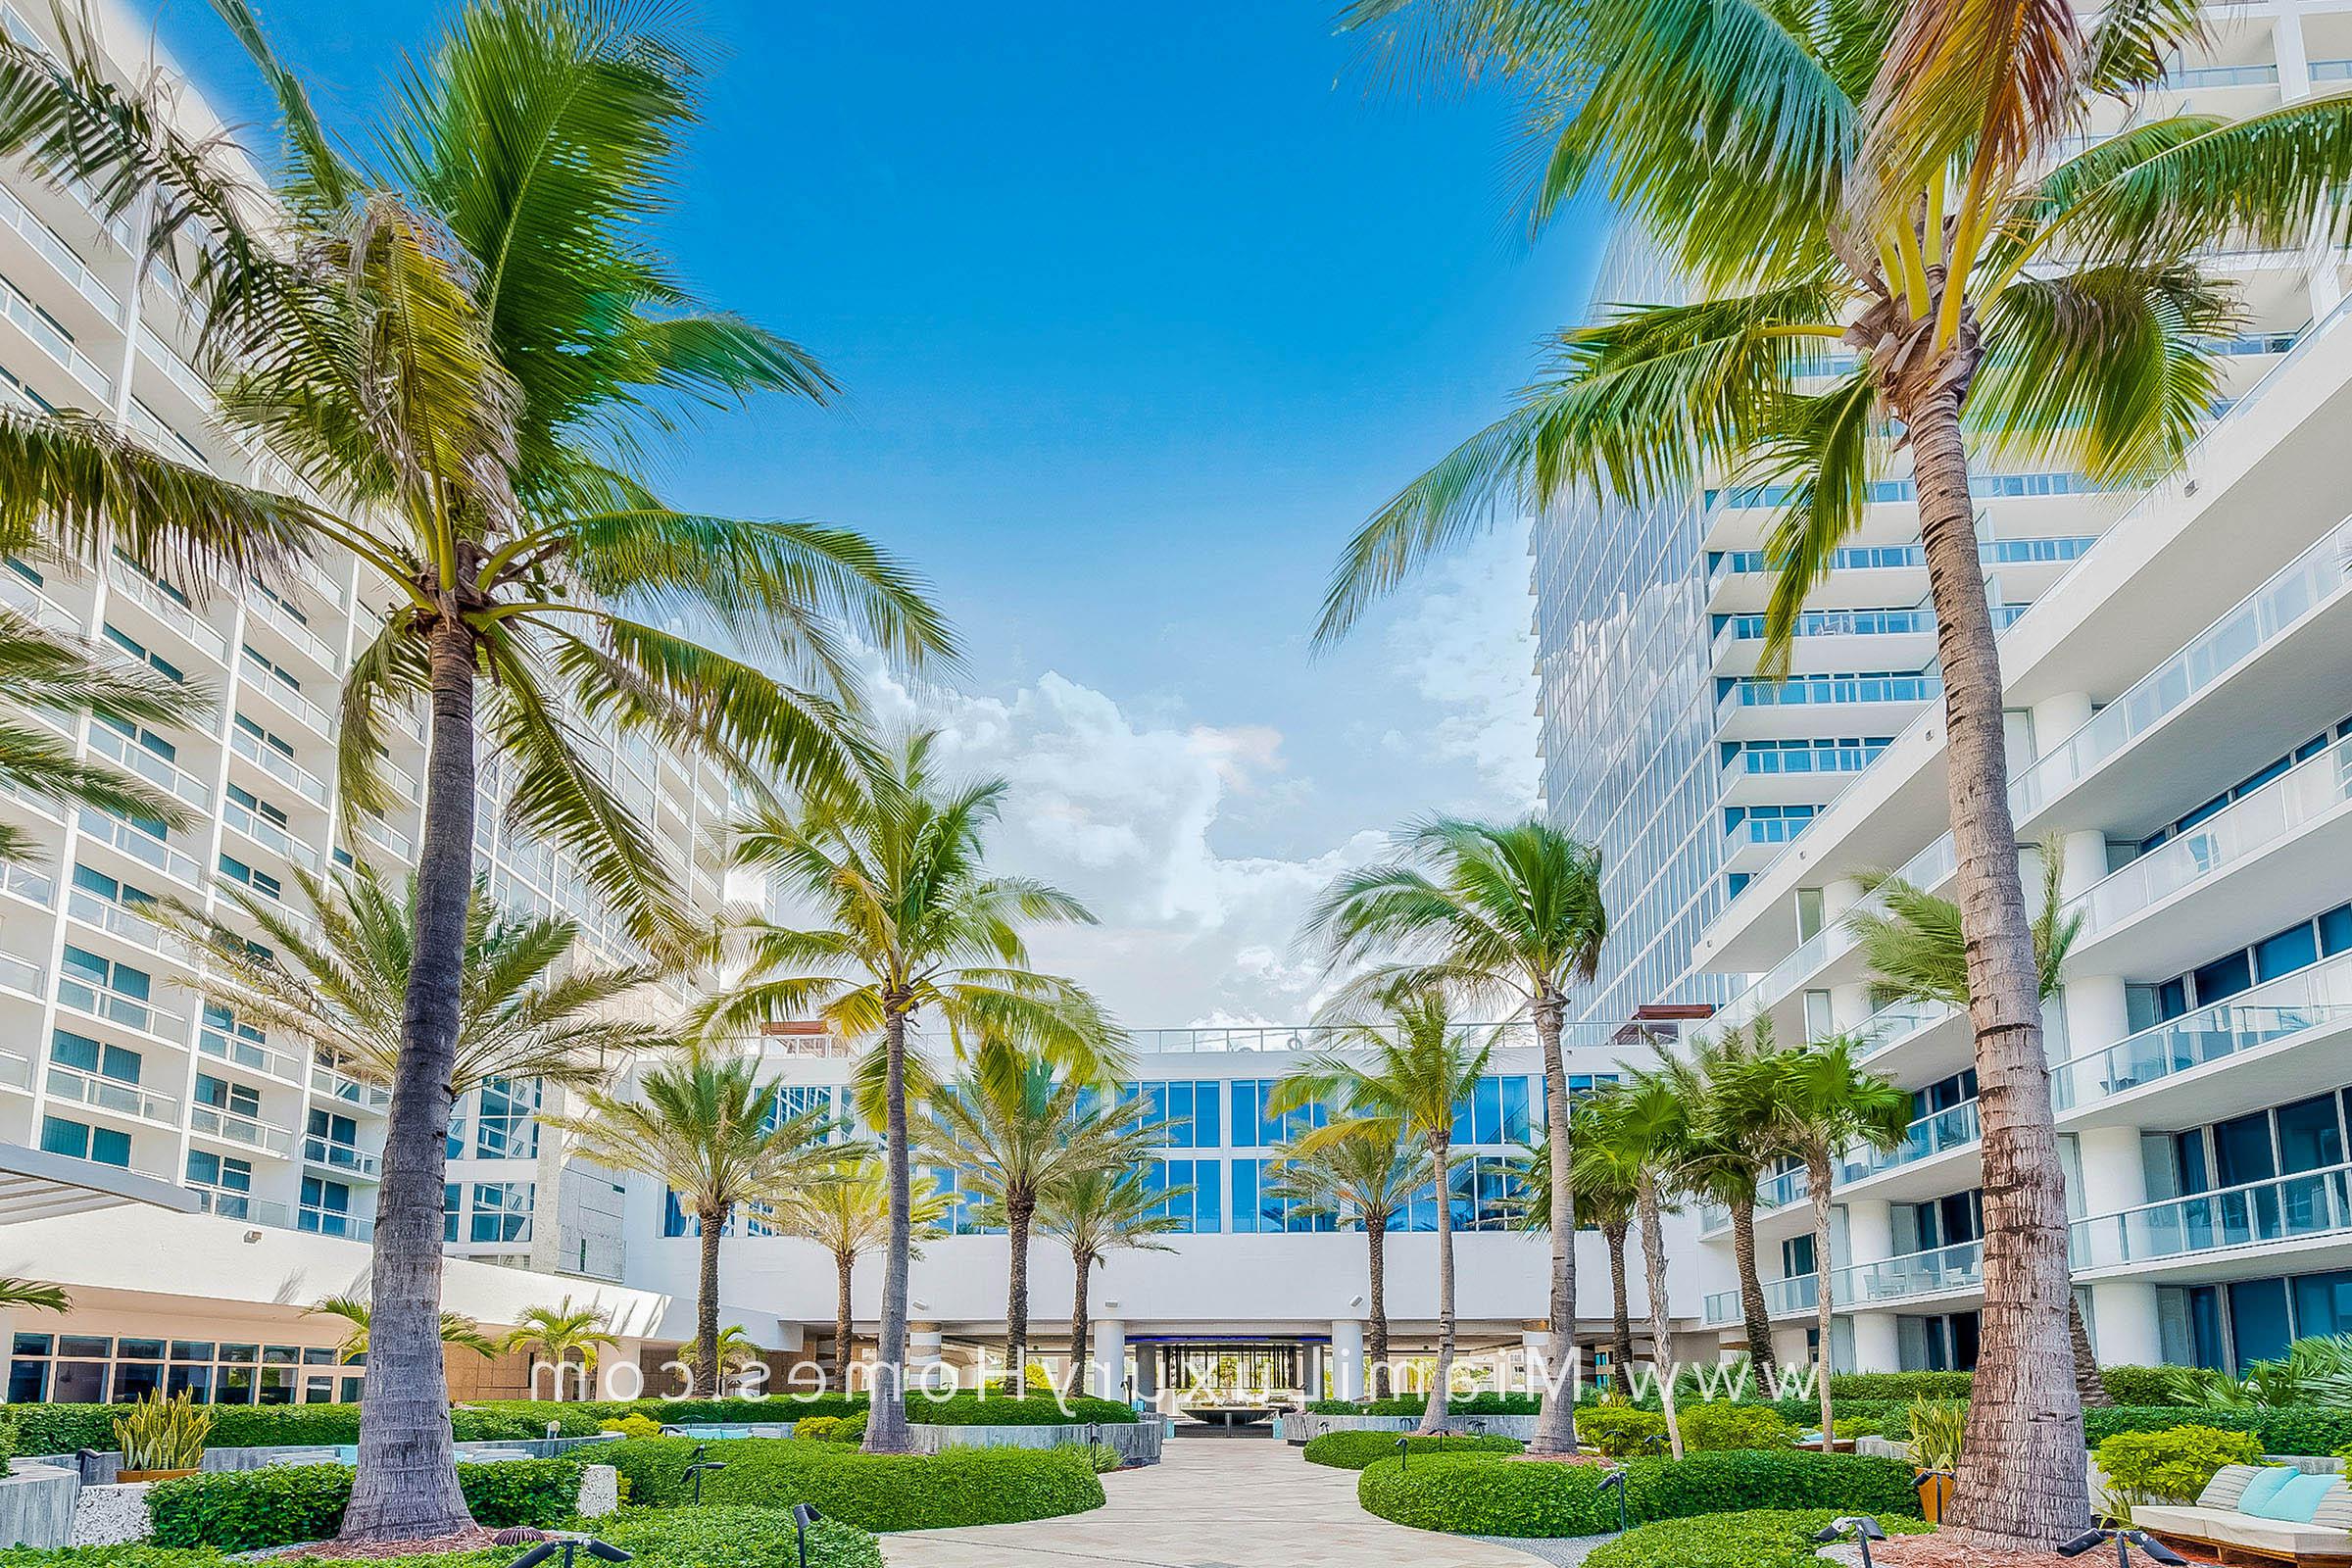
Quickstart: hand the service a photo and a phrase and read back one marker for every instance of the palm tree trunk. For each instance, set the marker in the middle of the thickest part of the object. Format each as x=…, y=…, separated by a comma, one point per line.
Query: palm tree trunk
x=2022, y=1482
x=406, y=1485
x=1620, y=1317
x=1817, y=1183
x=1432, y=1414
x=1555, y=1422
x=1083, y=1263
x=714, y=1223
x=1017, y=1295
x=886, y=1419
x=2089, y=1387
x=1376, y=1261
x=1653, y=1283
x=1751, y=1297
x=845, y=1273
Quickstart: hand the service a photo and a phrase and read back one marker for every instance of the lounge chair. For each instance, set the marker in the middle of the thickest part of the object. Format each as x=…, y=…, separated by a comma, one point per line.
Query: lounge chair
x=2218, y=1523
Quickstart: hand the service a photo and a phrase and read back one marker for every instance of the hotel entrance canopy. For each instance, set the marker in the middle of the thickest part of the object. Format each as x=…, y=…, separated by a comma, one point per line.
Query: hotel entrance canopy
x=36, y=1184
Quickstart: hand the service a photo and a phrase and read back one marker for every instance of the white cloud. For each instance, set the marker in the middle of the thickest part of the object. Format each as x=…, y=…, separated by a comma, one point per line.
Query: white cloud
x=1467, y=649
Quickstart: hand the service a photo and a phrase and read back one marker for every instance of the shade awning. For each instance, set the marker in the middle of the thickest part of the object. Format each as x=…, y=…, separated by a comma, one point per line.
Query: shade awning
x=36, y=1184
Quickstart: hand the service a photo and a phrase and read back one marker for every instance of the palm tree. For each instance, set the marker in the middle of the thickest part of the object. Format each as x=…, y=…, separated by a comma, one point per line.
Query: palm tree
x=914, y=926
x=1015, y=1127
x=1366, y=1176
x=459, y=349
x=1728, y=1126
x=847, y=1213
x=1815, y=1103
x=1504, y=911
x=1636, y=1136
x=37, y=1296
x=336, y=981
x=1916, y=948
x=1606, y=1199
x=454, y=1328
x=1886, y=185
x=557, y=1333
x=43, y=670
x=1397, y=1078
x=707, y=1126
x=737, y=1355
x=1096, y=1210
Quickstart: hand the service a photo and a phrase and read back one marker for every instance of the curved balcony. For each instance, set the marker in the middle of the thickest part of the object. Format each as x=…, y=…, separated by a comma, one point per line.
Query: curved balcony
x=2311, y=1204
x=2306, y=1004
x=1861, y=1287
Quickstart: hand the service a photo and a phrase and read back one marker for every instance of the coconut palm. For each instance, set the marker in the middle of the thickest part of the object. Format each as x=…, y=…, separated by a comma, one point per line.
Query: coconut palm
x=1814, y=1102
x=37, y=1296
x=1396, y=1076
x=559, y=1333
x=914, y=927
x=706, y=1124
x=847, y=1213
x=1887, y=242
x=1362, y=1175
x=459, y=344
x=1606, y=1201
x=1013, y=1127
x=44, y=671
x=1506, y=913
x=737, y=1355
x=1917, y=952
x=1634, y=1137
x=454, y=1328
x=1722, y=1164
x=1094, y=1212
x=336, y=981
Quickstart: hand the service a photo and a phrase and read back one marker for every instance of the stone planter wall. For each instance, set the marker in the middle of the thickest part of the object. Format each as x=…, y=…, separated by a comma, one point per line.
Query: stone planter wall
x=1301, y=1426
x=36, y=1506
x=101, y=1469
x=1137, y=1442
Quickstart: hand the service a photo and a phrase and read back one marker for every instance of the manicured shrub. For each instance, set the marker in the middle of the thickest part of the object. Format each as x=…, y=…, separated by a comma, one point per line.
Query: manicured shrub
x=1723, y=1424
x=238, y=1510
x=1620, y=1430
x=810, y=1428
x=1756, y=1538
x=1904, y=1385
x=2175, y=1464
x=634, y=1426
x=8, y=1444
x=737, y=1538
x=873, y=1492
x=1352, y=1450
x=2314, y=1431
x=1482, y=1496
x=970, y=1409
x=1334, y=1408
x=2143, y=1385
x=1463, y=1404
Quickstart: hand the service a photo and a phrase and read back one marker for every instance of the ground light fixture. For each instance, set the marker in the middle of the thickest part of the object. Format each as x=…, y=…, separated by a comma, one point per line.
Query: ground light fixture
x=693, y=1471
x=1405, y=1456
x=2124, y=1539
x=803, y=1516
x=568, y=1546
x=1861, y=1528
x=1614, y=1481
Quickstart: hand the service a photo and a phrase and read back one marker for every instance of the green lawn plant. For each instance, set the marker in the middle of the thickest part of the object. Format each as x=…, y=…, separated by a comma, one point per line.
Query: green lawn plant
x=1485, y=1494
x=957, y=1486
x=241, y=1510
x=1354, y=1451
x=1757, y=1538
x=1621, y=1429
x=2172, y=1465
x=1715, y=1425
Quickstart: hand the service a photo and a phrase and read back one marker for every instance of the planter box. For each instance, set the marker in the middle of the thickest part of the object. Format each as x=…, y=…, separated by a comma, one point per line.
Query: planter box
x=36, y=1506
x=1137, y=1442
x=1299, y=1428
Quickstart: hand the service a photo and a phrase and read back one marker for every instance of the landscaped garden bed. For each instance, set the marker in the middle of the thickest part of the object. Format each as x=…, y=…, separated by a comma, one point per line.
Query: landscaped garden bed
x=1496, y=1495
x=959, y=1486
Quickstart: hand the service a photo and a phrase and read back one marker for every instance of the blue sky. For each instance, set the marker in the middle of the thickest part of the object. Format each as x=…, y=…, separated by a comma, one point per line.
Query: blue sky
x=1139, y=314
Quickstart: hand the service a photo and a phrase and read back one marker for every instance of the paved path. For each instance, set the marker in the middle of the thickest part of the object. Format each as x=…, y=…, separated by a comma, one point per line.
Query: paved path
x=1212, y=1502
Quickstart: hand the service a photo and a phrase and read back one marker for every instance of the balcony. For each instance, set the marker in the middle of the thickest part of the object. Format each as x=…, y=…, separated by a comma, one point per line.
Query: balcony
x=1864, y=1287
x=246, y=1132
x=243, y=1206
x=76, y=1087
x=33, y=886
x=279, y=765
x=1783, y=1298
x=2312, y=1205
x=259, y=678
x=254, y=1056
x=16, y=1071
x=54, y=341
x=128, y=755
x=53, y=249
x=45, y=611
x=346, y=1090
x=341, y=1158
x=2306, y=1004
x=151, y=596
x=274, y=615
x=334, y=1222
x=24, y=976
x=270, y=834
x=1938, y=1133
x=116, y=919
x=85, y=996
x=141, y=847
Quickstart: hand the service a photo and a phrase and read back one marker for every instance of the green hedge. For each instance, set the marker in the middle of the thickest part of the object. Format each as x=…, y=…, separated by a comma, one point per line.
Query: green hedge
x=666, y=1538
x=2143, y=1385
x=874, y=1491
x=1753, y=1537
x=1466, y=1404
x=238, y=1510
x=1481, y=1496
x=65, y=1428
x=1904, y=1385
x=1352, y=1450
x=2288, y=1432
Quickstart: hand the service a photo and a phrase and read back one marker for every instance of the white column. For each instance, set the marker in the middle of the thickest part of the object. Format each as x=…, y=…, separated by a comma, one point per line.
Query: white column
x=1314, y=1370
x=1837, y=896
x=1869, y=1239
x=2057, y=718
x=2098, y=1012
x=923, y=1367
x=1109, y=1358
x=1347, y=1358
x=1877, y=1346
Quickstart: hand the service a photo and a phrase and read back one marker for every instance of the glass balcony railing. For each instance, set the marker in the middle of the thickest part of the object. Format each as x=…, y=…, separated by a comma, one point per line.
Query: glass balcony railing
x=53, y=249
x=1900, y=1019
x=1993, y=552
x=244, y=1131
x=1774, y=762
x=243, y=1205
x=2221, y=77
x=2305, y=1003
x=340, y=1156
x=16, y=1070
x=2315, y=1203
x=22, y=975
x=56, y=342
x=259, y=677
x=1928, y=1273
x=1782, y=1190
x=372, y=1098
x=129, y=756
x=2246, y=827
x=141, y=845
x=1782, y=1298
x=333, y=1222
x=279, y=765
x=275, y=617
x=34, y=886
x=255, y=1056
x=1765, y=830
x=268, y=834
x=118, y=1006
x=150, y=594
x=106, y=1093
x=114, y=918
x=46, y=612
x=1813, y=690
x=1938, y=1134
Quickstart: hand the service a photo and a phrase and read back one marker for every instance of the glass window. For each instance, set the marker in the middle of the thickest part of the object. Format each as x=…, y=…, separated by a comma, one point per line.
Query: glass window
x=2223, y=977
x=501, y=1211
x=2241, y=1149
x=2335, y=930
x=2297, y=948
x=2258, y=1320
x=2323, y=1303
x=506, y=1128
x=2309, y=1136
x=27, y=1382
x=453, y=1199
x=196, y=1382
x=191, y=1351
x=1245, y=1176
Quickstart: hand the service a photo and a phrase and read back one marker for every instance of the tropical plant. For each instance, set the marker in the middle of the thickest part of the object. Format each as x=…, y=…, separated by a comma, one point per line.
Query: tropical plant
x=1095, y=1212
x=1938, y=1433
x=1605, y=1200
x=1504, y=913
x=453, y=1328
x=460, y=343
x=1728, y=1126
x=527, y=1006
x=708, y=1125
x=1814, y=1102
x=163, y=1433
x=1363, y=1175
x=2315, y=1370
x=37, y=1296
x=43, y=670
x=846, y=1210
x=737, y=1353
x=1394, y=1076
x=556, y=1334
x=914, y=926
x=1014, y=1126
x=1889, y=237
x=1634, y=1134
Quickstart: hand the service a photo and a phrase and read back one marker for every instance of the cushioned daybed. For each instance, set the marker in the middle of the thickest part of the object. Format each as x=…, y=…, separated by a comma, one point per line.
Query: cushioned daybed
x=2253, y=1514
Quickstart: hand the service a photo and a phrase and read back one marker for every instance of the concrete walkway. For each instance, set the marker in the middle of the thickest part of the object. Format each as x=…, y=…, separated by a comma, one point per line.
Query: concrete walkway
x=1212, y=1502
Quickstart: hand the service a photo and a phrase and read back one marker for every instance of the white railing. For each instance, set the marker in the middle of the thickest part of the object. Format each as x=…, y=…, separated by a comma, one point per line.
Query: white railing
x=262, y=678
x=24, y=882
x=252, y=1055
x=128, y=755
x=2285, y=1209
x=242, y=1205
x=106, y=1093
x=114, y=918
x=141, y=847
x=16, y=1071
x=268, y=834
x=133, y=583
x=372, y=1098
x=18, y=307
x=53, y=249
x=246, y=1131
x=279, y=765
x=22, y=975
x=86, y=996
x=339, y=1157
x=2307, y=1001
x=274, y=615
